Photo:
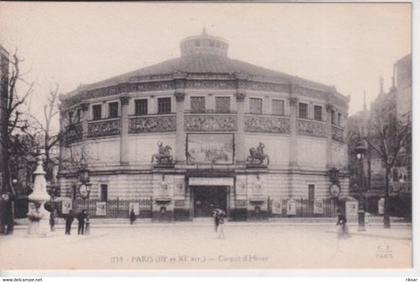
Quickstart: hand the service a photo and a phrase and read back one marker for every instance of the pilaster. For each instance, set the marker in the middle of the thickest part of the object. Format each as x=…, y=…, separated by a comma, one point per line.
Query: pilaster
x=124, y=146
x=239, y=140
x=84, y=120
x=293, y=151
x=329, y=136
x=180, y=134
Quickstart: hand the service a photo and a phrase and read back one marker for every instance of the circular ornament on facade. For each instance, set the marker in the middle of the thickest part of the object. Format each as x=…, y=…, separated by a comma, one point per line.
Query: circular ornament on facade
x=335, y=190
x=5, y=197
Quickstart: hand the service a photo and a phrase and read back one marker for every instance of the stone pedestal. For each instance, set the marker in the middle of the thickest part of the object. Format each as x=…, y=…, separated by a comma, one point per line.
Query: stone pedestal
x=38, y=216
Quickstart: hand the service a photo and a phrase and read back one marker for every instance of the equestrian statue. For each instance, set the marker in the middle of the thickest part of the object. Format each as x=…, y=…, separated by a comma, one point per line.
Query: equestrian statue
x=257, y=156
x=164, y=155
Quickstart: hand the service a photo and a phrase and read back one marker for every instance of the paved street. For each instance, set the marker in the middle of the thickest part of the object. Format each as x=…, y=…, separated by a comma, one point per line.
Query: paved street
x=187, y=245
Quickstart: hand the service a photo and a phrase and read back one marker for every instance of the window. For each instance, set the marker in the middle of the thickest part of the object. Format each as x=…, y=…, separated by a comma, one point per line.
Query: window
x=197, y=43
x=70, y=117
x=255, y=105
x=96, y=112
x=198, y=104
x=303, y=110
x=164, y=105
x=113, y=109
x=74, y=194
x=278, y=107
x=311, y=192
x=140, y=107
x=339, y=119
x=79, y=115
x=104, y=192
x=332, y=116
x=223, y=104
x=318, y=113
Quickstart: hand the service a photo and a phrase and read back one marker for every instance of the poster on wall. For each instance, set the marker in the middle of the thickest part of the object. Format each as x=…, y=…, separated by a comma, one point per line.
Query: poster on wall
x=66, y=205
x=318, y=206
x=101, y=208
x=135, y=206
x=277, y=207
x=210, y=148
x=351, y=209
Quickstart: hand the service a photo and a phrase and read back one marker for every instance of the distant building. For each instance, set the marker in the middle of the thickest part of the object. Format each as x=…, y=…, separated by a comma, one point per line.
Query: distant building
x=403, y=86
x=399, y=96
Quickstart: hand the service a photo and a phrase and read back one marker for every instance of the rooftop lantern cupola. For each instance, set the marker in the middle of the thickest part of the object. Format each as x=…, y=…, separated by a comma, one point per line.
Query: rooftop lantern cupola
x=204, y=44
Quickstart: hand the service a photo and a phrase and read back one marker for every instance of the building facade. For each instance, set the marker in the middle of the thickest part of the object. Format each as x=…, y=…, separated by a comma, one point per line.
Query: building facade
x=202, y=131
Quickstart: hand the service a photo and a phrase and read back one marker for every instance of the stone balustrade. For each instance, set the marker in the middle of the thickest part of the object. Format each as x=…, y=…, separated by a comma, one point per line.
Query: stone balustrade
x=210, y=122
x=103, y=128
x=337, y=133
x=267, y=124
x=311, y=128
x=155, y=123
x=73, y=133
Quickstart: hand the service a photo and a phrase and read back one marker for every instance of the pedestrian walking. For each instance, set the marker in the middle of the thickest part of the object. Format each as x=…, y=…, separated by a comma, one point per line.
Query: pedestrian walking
x=53, y=215
x=216, y=219
x=342, y=223
x=221, y=224
x=132, y=216
x=87, y=225
x=69, y=221
x=81, y=218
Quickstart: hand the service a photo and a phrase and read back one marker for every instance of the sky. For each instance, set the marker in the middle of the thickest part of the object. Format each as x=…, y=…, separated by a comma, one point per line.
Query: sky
x=347, y=45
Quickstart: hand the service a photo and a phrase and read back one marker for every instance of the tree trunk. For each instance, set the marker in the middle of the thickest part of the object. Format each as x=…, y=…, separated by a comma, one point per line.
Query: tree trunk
x=387, y=221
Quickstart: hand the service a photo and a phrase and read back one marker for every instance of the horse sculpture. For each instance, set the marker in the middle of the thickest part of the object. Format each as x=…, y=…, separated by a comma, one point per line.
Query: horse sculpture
x=257, y=155
x=164, y=154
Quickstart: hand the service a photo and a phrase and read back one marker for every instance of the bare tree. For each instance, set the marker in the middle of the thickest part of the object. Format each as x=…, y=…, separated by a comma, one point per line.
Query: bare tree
x=388, y=136
x=50, y=137
x=16, y=121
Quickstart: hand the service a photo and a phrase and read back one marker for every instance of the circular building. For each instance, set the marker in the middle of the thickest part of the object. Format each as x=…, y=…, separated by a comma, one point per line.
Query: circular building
x=177, y=139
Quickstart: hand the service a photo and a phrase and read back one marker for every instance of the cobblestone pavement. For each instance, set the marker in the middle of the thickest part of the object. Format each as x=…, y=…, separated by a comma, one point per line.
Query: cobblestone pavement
x=180, y=246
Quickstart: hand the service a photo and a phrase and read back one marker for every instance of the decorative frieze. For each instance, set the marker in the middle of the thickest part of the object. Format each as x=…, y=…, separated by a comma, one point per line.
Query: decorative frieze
x=145, y=124
x=311, y=128
x=337, y=134
x=267, y=124
x=203, y=122
x=212, y=84
x=104, y=128
x=266, y=86
x=73, y=133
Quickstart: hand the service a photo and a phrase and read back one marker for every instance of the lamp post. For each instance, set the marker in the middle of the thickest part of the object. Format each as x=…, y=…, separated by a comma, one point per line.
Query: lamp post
x=360, y=154
x=84, y=188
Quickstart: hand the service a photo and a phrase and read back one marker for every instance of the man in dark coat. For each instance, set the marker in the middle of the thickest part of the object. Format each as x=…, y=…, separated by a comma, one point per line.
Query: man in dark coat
x=132, y=216
x=69, y=221
x=81, y=218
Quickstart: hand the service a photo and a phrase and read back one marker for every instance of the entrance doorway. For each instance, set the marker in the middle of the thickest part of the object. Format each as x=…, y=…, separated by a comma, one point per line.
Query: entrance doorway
x=207, y=198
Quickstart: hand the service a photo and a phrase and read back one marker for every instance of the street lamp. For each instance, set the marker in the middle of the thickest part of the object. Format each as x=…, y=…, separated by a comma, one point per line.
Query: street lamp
x=84, y=188
x=360, y=154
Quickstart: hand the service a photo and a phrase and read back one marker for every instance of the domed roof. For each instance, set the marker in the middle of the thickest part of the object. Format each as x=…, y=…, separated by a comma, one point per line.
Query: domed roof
x=201, y=54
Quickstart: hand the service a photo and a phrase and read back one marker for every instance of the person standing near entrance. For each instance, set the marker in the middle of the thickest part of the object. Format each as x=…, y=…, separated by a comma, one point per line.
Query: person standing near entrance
x=81, y=218
x=132, y=216
x=69, y=221
x=343, y=231
x=221, y=223
x=52, y=220
x=216, y=219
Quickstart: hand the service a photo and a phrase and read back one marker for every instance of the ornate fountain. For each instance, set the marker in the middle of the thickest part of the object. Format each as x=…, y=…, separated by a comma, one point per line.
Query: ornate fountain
x=38, y=216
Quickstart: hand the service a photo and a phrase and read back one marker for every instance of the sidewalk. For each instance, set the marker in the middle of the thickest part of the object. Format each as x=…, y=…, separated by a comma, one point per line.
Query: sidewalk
x=376, y=222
